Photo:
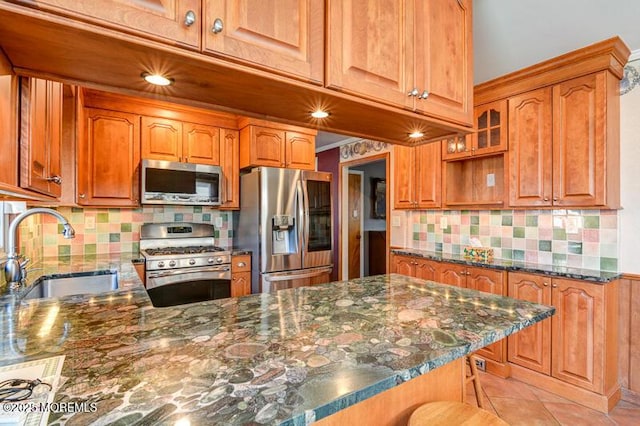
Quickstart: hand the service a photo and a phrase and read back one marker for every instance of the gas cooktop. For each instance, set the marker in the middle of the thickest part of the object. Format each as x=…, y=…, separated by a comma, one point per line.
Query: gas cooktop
x=163, y=251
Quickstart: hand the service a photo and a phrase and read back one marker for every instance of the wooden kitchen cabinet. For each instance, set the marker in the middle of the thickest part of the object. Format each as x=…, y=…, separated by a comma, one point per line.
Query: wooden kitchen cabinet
x=287, y=39
x=491, y=136
x=575, y=121
x=273, y=145
x=410, y=54
x=415, y=267
x=417, y=176
x=108, y=158
x=577, y=346
x=475, y=182
x=229, y=162
x=41, y=136
x=163, y=20
x=240, y=275
x=173, y=140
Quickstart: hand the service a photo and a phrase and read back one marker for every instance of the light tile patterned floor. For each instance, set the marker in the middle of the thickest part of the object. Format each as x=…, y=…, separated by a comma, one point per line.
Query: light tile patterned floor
x=520, y=404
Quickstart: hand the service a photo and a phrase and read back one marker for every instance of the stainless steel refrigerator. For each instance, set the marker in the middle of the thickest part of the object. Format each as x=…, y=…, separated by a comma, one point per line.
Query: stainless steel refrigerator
x=285, y=219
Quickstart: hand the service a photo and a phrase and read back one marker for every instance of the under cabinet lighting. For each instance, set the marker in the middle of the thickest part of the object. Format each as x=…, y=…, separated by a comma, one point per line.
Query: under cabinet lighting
x=157, y=79
x=319, y=114
x=416, y=134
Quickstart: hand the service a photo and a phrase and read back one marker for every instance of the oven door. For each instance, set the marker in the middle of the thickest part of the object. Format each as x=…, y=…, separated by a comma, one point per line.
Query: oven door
x=189, y=285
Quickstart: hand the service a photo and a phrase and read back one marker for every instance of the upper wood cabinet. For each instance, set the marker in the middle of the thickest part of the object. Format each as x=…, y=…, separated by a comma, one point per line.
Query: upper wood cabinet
x=108, y=158
x=417, y=176
x=565, y=144
x=286, y=37
x=165, y=20
x=273, y=145
x=40, y=136
x=411, y=54
x=490, y=138
x=9, y=133
x=173, y=140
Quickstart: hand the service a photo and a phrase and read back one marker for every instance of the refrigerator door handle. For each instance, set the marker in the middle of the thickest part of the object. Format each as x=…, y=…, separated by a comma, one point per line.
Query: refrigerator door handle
x=287, y=276
x=305, y=198
x=302, y=217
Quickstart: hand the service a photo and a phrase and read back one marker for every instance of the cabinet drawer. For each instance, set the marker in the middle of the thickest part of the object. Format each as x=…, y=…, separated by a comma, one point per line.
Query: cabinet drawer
x=241, y=263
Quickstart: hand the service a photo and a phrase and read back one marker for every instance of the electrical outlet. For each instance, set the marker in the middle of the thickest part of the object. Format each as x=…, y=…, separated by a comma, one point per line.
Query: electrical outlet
x=491, y=179
x=444, y=222
x=89, y=222
x=218, y=222
x=481, y=364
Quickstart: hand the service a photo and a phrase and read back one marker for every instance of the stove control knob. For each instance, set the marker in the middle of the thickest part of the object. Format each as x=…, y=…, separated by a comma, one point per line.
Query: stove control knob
x=192, y=261
x=160, y=264
x=172, y=263
x=211, y=260
x=219, y=259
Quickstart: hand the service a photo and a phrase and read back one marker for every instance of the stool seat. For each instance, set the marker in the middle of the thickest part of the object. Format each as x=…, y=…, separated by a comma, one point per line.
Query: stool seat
x=448, y=413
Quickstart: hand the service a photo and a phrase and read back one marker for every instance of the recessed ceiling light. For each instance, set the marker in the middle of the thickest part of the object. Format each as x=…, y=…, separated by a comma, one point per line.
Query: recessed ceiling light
x=157, y=79
x=319, y=114
x=416, y=134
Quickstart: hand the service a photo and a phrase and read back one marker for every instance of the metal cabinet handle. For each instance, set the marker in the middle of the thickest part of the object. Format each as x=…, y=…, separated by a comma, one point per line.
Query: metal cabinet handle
x=55, y=179
x=189, y=18
x=218, y=26
x=424, y=95
x=81, y=195
x=545, y=284
x=414, y=92
x=555, y=198
x=241, y=264
x=555, y=286
x=545, y=199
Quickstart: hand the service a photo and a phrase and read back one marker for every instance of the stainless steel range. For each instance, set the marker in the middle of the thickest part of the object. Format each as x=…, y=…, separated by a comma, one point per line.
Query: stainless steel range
x=183, y=265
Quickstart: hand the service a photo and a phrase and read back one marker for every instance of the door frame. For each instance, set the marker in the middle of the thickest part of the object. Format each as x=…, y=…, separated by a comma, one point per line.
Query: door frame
x=342, y=230
x=344, y=215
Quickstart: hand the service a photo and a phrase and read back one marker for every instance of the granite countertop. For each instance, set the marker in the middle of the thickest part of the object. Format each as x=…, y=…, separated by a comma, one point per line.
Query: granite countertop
x=289, y=357
x=514, y=265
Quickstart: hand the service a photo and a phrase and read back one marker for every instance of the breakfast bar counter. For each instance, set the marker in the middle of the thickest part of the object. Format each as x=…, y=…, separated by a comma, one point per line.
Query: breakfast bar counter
x=289, y=357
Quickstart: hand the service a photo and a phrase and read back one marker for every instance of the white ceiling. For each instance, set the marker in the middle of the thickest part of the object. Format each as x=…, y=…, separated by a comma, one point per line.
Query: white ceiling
x=509, y=35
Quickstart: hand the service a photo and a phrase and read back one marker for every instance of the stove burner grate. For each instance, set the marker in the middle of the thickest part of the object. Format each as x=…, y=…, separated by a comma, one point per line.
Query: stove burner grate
x=182, y=250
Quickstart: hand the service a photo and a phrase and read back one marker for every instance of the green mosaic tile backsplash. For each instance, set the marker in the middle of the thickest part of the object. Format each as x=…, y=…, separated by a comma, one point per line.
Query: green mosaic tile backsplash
x=575, y=238
x=101, y=231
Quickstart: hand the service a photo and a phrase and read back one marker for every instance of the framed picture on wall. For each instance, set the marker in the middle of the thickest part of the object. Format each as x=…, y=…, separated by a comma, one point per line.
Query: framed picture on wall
x=378, y=198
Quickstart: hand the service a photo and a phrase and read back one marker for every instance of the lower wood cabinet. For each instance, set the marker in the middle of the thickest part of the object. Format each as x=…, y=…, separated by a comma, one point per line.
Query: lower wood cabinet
x=578, y=345
x=240, y=275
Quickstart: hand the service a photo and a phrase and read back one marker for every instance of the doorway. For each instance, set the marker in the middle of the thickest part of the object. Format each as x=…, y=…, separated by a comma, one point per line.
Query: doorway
x=364, y=224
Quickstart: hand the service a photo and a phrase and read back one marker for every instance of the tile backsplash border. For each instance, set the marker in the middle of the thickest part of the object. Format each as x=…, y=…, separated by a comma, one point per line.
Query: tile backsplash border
x=585, y=239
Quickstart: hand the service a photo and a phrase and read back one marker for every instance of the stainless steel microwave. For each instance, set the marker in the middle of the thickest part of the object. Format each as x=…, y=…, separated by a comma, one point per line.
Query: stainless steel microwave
x=169, y=182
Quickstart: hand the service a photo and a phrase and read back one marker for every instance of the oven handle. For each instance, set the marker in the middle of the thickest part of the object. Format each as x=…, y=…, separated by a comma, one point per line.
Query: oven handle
x=173, y=272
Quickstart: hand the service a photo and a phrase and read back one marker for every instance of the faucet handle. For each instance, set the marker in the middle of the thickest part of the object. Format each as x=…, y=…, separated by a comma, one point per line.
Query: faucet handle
x=24, y=263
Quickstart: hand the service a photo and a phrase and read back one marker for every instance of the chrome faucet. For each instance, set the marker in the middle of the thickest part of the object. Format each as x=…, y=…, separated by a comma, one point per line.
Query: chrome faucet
x=14, y=269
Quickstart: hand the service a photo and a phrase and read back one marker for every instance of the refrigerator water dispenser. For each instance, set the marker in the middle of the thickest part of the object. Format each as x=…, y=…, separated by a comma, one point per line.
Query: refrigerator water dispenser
x=284, y=235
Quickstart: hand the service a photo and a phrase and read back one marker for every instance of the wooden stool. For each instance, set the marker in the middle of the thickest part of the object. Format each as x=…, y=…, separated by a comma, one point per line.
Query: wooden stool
x=448, y=413
x=475, y=378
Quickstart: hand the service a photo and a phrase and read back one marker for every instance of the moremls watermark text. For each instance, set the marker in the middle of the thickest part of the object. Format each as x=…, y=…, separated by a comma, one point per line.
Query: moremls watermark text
x=49, y=407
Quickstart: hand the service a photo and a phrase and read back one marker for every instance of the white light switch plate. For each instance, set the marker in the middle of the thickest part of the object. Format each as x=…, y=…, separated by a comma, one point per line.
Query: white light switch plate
x=218, y=222
x=491, y=179
x=89, y=222
x=444, y=222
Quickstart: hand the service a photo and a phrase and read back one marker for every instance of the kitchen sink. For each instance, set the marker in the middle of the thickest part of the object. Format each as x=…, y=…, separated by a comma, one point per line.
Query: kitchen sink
x=77, y=284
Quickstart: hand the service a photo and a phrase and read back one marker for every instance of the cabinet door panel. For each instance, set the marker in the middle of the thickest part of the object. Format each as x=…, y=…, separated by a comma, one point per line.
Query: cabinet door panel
x=426, y=270
x=577, y=353
x=265, y=146
x=300, y=151
x=403, y=177
x=452, y=274
x=161, y=139
x=579, y=141
x=240, y=284
x=428, y=175
x=159, y=19
x=40, y=135
x=443, y=58
x=531, y=347
x=370, y=50
x=286, y=36
x=229, y=162
x=530, y=133
x=403, y=265
x=108, y=159
x=201, y=144
x=488, y=281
